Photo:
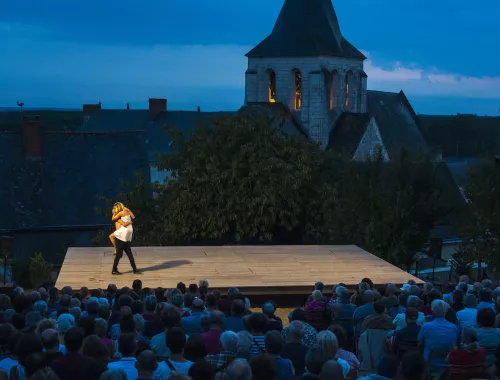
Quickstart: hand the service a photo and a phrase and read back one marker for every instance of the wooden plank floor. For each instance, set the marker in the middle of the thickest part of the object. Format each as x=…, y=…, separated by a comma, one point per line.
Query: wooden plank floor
x=254, y=269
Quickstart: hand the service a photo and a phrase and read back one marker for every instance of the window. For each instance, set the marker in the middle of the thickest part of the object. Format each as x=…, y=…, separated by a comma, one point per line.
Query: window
x=298, y=89
x=334, y=90
x=348, y=90
x=272, y=86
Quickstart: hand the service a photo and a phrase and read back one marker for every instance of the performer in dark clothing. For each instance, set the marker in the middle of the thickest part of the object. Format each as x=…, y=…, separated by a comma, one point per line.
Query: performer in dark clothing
x=120, y=247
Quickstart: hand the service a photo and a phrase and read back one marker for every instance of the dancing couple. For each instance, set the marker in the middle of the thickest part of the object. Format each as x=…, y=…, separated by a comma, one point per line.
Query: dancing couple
x=122, y=237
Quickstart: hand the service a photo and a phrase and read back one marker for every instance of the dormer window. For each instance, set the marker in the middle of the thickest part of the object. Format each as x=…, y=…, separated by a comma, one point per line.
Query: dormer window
x=272, y=86
x=298, y=89
x=348, y=90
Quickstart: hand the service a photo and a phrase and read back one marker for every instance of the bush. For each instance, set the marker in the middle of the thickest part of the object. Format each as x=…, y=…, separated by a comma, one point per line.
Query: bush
x=40, y=270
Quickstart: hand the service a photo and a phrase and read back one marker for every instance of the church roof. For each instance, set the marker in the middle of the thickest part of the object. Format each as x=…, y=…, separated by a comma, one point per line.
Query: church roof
x=348, y=131
x=306, y=28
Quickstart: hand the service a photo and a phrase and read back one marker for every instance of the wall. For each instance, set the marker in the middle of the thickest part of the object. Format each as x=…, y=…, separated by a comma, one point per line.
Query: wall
x=370, y=142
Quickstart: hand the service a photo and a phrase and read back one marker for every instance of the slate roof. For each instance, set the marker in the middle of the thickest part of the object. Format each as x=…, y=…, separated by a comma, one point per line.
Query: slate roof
x=347, y=134
x=306, y=29
x=397, y=122
x=75, y=169
x=116, y=120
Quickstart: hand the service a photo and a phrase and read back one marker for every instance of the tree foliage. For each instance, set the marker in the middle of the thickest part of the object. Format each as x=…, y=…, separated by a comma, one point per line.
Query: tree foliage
x=245, y=181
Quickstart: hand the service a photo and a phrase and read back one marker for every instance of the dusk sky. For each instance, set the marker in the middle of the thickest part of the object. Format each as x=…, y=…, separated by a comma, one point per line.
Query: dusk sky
x=444, y=54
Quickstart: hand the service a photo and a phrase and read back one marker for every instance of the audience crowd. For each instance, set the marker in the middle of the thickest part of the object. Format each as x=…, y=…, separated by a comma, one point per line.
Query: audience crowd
x=415, y=332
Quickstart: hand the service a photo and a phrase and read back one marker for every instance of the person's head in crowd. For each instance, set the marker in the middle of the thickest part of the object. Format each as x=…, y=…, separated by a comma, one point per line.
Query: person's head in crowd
x=406, y=288
x=137, y=286
x=160, y=294
x=142, y=345
x=101, y=327
x=45, y=324
x=67, y=290
x=269, y=309
x=5, y=303
x=137, y=307
x=33, y=363
x=298, y=315
x=486, y=317
x=94, y=347
x=412, y=367
x=84, y=291
x=216, y=320
x=73, y=339
x=343, y=293
x=485, y=295
x=476, y=288
x=368, y=296
x=233, y=293
x=469, y=338
x=366, y=280
x=177, y=300
x=319, y=286
x=244, y=344
x=229, y=341
x=379, y=307
x=193, y=288
x=295, y=332
x=41, y=307
x=340, y=334
x=61, y=311
x=263, y=367
x=273, y=342
x=75, y=302
x=198, y=306
x=258, y=323
x=175, y=340
x=146, y=364
x=28, y=344
x=239, y=369
x=127, y=324
x=411, y=315
x=170, y=317
x=433, y=295
x=35, y=296
x=19, y=321
x=439, y=308
x=114, y=374
x=32, y=320
x=415, y=290
x=150, y=303
x=50, y=340
x=127, y=345
x=182, y=287
x=427, y=287
x=315, y=360
x=201, y=370
x=487, y=283
x=462, y=286
x=195, y=348
x=388, y=366
x=93, y=307
x=464, y=278
x=458, y=296
x=414, y=302
x=188, y=300
x=217, y=294
x=470, y=301
x=317, y=296
x=328, y=342
x=390, y=290
x=125, y=300
x=237, y=308
x=211, y=301
x=76, y=312
x=331, y=370
x=87, y=324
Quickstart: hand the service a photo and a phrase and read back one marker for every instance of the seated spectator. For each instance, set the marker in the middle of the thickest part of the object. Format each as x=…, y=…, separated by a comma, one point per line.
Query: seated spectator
x=407, y=338
x=178, y=302
x=192, y=323
x=468, y=315
x=258, y=325
x=343, y=354
x=488, y=336
x=182, y=287
x=458, y=298
x=331, y=370
x=235, y=321
x=400, y=319
x=94, y=347
x=216, y=328
x=274, y=345
x=413, y=367
x=87, y=324
x=195, y=348
x=153, y=324
x=239, y=369
x=33, y=318
x=387, y=368
x=293, y=349
x=50, y=342
x=469, y=354
x=485, y=296
x=263, y=367
x=390, y=299
x=65, y=322
x=379, y=320
x=439, y=334
x=245, y=342
x=146, y=365
x=170, y=318
x=33, y=363
x=343, y=311
x=400, y=307
x=73, y=365
x=228, y=347
x=363, y=311
x=274, y=323
x=211, y=303
x=315, y=360
x=315, y=311
x=28, y=344
x=330, y=345
x=126, y=346
x=309, y=338
x=175, y=341
x=201, y=370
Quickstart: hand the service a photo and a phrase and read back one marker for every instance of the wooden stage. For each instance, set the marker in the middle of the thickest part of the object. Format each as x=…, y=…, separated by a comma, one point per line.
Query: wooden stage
x=253, y=269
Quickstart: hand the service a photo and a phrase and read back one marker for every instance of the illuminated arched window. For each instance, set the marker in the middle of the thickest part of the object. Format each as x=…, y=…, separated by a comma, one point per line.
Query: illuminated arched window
x=298, y=89
x=272, y=86
x=334, y=90
x=349, y=89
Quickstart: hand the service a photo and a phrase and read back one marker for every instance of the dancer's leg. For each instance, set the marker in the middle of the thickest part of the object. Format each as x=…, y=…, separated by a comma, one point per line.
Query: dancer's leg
x=119, y=253
x=128, y=251
x=112, y=238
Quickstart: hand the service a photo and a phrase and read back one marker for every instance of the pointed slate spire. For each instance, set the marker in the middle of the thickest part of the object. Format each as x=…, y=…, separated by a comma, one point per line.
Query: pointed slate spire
x=306, y=28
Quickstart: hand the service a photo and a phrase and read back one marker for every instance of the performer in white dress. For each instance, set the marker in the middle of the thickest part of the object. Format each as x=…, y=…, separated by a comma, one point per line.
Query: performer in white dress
x=122, y=237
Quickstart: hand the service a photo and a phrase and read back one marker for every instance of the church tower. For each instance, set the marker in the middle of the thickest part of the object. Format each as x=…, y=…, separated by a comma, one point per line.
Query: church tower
x=308, y=66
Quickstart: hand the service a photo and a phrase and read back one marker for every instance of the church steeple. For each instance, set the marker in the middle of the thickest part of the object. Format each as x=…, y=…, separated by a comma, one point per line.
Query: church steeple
x=306, y=28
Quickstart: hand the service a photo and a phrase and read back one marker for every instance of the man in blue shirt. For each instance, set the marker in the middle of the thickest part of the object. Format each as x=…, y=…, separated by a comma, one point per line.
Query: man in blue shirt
x=438, y=334
x=364, y=310
x=192, y=324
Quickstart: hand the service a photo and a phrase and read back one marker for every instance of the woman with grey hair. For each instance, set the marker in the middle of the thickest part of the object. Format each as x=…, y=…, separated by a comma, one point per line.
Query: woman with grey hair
x=468, y=354
x=330, y=345
x=244, y=343
x=41, y=307
x=467, y=316
x=400, y=320
x=64, y=323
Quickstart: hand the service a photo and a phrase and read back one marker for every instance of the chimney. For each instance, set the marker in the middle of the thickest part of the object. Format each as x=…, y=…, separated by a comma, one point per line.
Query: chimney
x=157, y=106
x=199, y=109
x=32, y=137
x=89, y=109
x=128, y=106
